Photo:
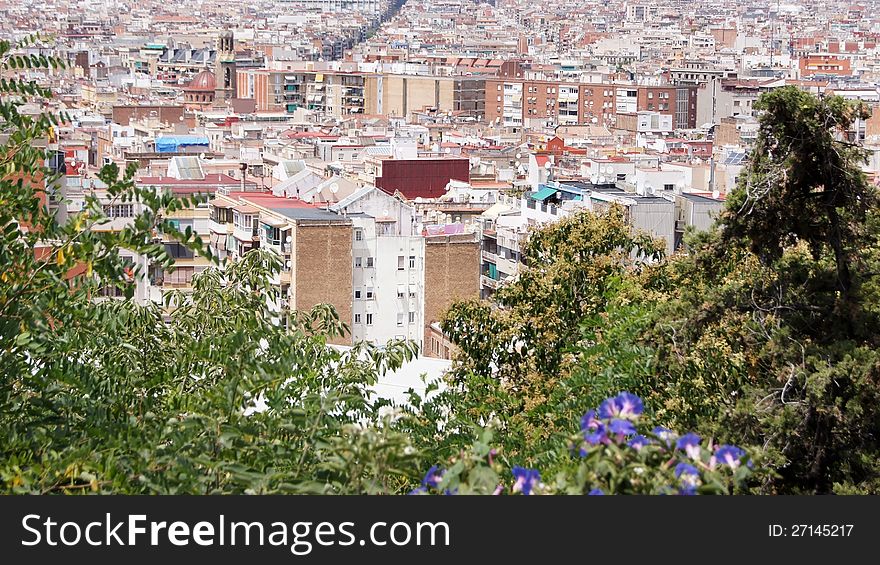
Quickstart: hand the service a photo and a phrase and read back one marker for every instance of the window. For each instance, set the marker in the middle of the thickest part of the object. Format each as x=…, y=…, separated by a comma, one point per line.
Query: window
x=400, y=262
x=412, y=293
x=357, y=262
x=357, y=318
x=180, y=276
x=358, y=234
x=668, y=186
x=650, y=95
x=400, y=318
x=412, y=261
x=499, y=99
x=369, y=293
x=178, y=251
x=243, y=221
x=399, y=293
x=369, y=319
x=412, y=317
x=357, y=294
x=119, y=210
x=369, y=262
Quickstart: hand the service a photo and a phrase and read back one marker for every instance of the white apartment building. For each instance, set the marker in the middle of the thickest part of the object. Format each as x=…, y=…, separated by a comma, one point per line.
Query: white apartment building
x=388, y=281
x=388, y=269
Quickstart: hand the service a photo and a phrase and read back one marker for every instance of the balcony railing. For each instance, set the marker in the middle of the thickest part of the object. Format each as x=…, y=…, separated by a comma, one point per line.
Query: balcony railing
x=488, y=282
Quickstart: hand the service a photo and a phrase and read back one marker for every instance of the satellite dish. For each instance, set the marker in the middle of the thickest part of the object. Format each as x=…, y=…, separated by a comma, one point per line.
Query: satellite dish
x=519, y=156
x=334, y=188
x=609, y=169
x=602, y=180
x=594, y=179
x=384, y=213
x=288, y=264
x=201, y=155
x=548, y=165
x=289, y=239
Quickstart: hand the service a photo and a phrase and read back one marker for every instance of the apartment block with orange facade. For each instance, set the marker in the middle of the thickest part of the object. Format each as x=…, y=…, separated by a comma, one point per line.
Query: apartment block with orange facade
x=824, y=64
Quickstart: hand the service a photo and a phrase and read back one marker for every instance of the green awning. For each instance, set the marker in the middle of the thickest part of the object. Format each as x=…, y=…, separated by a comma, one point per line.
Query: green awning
x=544, y=193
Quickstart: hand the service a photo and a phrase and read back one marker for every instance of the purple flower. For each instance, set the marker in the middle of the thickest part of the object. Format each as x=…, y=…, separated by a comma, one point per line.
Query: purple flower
x=687, y=490
x=638, y=441
x=589, y=421
x=621, y=427
x=689, y=477
x=685, y=469
x=597, y=436
x=730, y=454
x=593, y=428
x=420, y=490
x=432, y=477
x=665, y=434
x=624, y=405
x=525, y=479
x=690, y=443
x=595, y=492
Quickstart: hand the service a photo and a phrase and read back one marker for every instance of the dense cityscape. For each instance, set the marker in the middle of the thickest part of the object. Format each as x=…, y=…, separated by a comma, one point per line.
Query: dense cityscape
x=396, y=158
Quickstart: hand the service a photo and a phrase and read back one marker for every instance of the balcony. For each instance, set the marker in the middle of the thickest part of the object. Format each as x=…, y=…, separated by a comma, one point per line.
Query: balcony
x=218, y=227
x=507, y=266
x=490, y=257
x=488, y=282
x=245, y=234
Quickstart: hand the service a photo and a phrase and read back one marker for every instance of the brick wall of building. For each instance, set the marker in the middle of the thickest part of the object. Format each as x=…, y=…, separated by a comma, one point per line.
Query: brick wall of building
x=323, y=265
x=123, y=114
x=452, y=272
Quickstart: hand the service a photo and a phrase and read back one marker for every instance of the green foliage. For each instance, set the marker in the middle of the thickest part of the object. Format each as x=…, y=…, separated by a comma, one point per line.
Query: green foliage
x=516, y=352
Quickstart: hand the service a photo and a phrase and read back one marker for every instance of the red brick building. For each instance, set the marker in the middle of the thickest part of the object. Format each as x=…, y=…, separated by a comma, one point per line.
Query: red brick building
x=679, y=101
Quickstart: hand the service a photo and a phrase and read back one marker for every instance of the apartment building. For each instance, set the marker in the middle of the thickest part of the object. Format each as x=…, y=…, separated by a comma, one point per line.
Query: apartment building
x=678, y=101
x=519, y=103
x=665, y=213
x=452, y=273
x=388, y=282
x=343, y=93
x=315, y=247
x=388, y=267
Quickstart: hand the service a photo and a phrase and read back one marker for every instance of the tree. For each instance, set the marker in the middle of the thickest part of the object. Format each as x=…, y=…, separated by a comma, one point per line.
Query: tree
x=515, y=350
x=803, y=181
x=768, y=332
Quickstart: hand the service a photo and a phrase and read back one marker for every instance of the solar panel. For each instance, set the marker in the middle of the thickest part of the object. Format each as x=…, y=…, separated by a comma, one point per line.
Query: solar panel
x=735, y=158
